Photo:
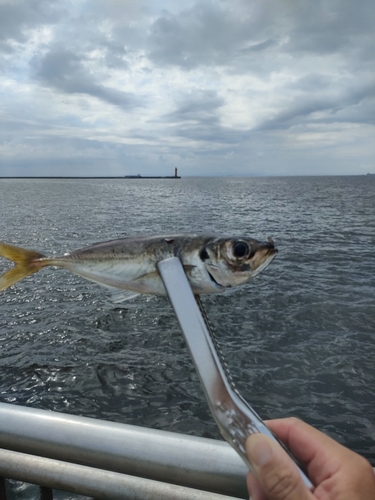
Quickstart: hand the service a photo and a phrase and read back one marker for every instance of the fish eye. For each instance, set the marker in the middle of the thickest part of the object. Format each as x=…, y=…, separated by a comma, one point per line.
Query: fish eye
x=240, y=249
x=204, y=254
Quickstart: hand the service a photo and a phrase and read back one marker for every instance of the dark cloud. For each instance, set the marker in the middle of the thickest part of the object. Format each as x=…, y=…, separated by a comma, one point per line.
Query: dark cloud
x=198, y=106
x=258, y=47
x=197, y=118
x=333, y=105
x=209, y=33
x=18, y=16
x=212, y=133
x=115, y=56
x=238, y=34
x=330, y=26
x=65, y=71
x=311, y=82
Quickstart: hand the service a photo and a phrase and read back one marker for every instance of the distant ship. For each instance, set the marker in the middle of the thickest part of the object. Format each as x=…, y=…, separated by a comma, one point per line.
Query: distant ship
x=139, y=176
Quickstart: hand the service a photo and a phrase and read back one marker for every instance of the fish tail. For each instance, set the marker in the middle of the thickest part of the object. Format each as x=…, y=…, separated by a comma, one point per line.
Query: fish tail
x=26, y=262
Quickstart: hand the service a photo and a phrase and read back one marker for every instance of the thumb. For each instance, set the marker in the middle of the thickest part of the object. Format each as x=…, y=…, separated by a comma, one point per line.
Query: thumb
x=276, y=472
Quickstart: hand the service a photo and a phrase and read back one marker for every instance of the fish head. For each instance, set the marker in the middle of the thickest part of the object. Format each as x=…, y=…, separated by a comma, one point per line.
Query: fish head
x=233, y=261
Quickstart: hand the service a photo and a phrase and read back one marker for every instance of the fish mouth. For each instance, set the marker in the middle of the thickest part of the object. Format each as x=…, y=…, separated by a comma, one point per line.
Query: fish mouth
x=268, y=255
x=265, y=251
x=213, y=280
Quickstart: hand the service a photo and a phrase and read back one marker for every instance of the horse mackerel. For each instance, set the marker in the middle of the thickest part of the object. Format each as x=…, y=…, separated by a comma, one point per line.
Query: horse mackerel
x=127, y=266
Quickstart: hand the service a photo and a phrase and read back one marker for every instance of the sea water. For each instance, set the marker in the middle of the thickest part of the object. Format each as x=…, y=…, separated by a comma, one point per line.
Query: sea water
x=299, y=339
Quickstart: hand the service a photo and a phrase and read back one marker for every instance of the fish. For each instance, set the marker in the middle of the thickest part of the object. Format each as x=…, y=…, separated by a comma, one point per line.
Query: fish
x=127, y=266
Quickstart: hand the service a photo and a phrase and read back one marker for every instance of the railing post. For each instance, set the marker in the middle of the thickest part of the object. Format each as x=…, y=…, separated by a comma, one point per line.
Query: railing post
x=3, y=493
x=46, y=493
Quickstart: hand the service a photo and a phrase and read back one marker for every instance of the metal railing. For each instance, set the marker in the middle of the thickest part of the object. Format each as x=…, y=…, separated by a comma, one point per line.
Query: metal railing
x=103, y=459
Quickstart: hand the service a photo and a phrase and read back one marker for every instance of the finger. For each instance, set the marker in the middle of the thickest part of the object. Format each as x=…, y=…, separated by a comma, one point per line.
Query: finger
x=327, y=461
x=276, y=472
x=254, y=487
x=302, y=438
x=319, y=452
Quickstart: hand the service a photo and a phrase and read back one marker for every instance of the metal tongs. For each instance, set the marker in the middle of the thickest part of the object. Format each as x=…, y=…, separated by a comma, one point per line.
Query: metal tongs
x=234, y=416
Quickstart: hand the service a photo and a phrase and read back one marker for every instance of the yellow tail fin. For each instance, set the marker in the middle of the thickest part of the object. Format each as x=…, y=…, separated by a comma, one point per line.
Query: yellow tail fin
x=27, y=262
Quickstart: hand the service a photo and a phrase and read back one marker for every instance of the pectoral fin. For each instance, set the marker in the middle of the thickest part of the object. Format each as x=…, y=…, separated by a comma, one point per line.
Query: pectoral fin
x=149, y=283
x=118, y=296
x=188, y=268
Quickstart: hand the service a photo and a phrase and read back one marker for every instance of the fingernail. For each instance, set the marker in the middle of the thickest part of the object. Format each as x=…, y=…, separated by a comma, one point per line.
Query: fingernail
x=259, y=450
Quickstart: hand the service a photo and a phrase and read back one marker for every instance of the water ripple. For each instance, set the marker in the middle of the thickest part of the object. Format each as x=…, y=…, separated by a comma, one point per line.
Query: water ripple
x=299, y=339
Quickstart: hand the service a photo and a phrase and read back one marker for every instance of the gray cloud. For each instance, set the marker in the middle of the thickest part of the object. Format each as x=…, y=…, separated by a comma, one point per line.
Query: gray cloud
x=197, y=117
x=198, y=106
x=207, y=33
x=16, y=17
x=64, y=70
x=214, y=33
x=333, y=105
x=327, y=27
x=250, y=84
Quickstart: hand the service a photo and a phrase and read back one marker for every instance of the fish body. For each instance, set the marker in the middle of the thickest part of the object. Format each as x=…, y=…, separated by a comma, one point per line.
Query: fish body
x=128, y=265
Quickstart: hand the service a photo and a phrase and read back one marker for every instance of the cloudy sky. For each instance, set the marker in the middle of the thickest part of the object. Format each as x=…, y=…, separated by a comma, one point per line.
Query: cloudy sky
x=213, y=87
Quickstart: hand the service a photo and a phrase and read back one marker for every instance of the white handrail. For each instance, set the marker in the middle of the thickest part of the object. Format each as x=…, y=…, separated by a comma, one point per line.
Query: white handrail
x=201, y=463
x=92, y=482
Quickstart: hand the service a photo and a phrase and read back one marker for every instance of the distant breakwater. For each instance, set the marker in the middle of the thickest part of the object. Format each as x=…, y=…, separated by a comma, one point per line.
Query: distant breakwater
x=94, y=177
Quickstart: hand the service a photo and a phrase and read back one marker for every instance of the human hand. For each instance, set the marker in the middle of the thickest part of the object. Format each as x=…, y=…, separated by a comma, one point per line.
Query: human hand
x=336, y=472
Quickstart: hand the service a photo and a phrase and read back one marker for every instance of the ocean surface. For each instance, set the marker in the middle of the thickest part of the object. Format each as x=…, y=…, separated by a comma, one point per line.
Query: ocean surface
x=299, y=340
